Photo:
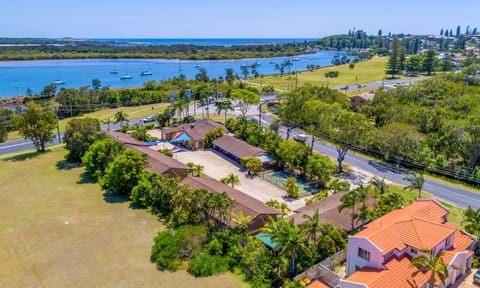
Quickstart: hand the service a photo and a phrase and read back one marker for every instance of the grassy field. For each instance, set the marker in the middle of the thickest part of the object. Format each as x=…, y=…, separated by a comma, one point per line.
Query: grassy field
x=132, y=111
x=58, y=229
x=364, y=72
x=455, y=215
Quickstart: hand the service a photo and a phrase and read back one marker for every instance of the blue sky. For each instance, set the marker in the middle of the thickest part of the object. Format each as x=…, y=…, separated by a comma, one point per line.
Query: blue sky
x=229, y=19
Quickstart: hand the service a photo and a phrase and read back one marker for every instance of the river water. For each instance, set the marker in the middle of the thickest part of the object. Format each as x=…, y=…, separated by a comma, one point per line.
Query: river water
x=17, y=76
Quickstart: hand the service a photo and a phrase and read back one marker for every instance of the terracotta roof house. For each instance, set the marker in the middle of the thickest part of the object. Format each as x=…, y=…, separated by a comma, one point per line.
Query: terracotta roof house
x=156, y=161
x=381, y=254
x=250, y=206
x=328, y=212
x=236, y=149
x=190, y=135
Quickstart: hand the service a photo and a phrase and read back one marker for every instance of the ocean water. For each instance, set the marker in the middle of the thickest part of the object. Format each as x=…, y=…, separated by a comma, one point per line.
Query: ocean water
x=17, y=76
x=200, y=42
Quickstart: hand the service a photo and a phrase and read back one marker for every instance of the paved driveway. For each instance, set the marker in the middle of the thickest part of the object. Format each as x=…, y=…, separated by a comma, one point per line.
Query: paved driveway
x=218, y=166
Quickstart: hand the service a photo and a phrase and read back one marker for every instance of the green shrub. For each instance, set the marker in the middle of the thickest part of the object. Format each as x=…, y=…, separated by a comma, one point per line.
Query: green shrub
x=165, y=251
x=214, y=247
x=149, y=126
x=206, y=265
x=331, y=74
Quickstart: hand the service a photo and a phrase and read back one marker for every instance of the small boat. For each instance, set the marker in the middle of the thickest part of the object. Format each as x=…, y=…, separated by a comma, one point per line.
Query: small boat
x=58, y=82
x=197, y=66
x=243, y=65
x=114, y=71
x=146, y=73
x=258, y=63
x=272, y=62
x=295, y=59
x=126, y=77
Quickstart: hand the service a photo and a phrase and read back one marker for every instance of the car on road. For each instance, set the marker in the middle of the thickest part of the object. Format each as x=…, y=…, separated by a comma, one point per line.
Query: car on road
x=149, y=119
x=344, y=87
x=476, y=277
x=300, y=138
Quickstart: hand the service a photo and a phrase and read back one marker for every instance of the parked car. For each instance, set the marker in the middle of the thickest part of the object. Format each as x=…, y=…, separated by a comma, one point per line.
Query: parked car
x=148, y=119
x=300, y=137
x=344, y=87
x=476, y=277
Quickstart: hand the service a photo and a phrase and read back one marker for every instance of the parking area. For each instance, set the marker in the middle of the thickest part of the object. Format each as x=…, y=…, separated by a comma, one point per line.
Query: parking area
x=218, y=166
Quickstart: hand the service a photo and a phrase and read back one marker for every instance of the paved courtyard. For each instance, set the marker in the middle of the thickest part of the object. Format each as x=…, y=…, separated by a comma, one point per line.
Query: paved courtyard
x=218, y=166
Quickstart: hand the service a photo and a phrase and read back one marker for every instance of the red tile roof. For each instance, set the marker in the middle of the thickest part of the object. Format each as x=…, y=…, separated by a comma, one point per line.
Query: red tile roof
x=397, y=273
x=317, y=284
x=420, y=225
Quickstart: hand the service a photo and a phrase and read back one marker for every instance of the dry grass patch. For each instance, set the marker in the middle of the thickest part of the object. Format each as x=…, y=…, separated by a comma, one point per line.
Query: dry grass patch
x=58, y=229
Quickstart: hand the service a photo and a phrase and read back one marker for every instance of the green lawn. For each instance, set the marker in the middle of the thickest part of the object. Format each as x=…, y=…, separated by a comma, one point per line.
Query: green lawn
x=59, y=229
x=364, y=72
x=132, y=111
x=455, y=215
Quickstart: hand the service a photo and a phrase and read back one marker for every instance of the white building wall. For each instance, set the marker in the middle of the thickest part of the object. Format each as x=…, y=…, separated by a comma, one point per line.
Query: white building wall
x=353, y=260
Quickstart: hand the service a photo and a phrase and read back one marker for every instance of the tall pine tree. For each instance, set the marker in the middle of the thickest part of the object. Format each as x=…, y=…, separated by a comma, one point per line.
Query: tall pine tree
x=393, y=65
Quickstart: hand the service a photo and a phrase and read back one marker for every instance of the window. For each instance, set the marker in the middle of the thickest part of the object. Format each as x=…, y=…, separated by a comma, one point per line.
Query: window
x=448, y=241
x=362, y=253
x=413, y=251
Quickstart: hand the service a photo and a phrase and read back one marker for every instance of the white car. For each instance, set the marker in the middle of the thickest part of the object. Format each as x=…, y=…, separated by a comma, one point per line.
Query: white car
x=148, y=119
x=300, y=138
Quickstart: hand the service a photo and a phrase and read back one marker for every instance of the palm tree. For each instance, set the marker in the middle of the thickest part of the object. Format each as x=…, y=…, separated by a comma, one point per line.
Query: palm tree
x=471, y=221
x=431, y=263
x=416, y=181
x=199, y=169
x=120, y=117
x=284, y=209
x=348, y=201
x=242, y=220
x=363, y=194
x=192, y=166
x=224, y=106
x=312, y=227
x=379, y=188
x=231, y=179
x=290, y=238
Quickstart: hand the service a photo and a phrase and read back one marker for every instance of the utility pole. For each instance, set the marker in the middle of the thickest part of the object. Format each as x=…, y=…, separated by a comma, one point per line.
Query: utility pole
x=58, y=133
x=260, y=113
x=296, y=80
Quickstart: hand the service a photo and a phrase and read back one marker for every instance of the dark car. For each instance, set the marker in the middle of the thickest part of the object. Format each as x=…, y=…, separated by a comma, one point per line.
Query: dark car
x=476, y=277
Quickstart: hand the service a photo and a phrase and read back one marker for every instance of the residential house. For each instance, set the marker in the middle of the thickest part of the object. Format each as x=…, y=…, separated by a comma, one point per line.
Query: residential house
x=359, y=100
x=190, y=135
x=381, y=254
x=156, y=161
x=237, y=149
x=249, y=206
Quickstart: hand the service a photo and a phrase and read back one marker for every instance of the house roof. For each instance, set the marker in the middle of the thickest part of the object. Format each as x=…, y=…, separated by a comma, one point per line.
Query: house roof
x=328, y=212
x=125, y=139
x=397, y=270
x=419, y=225
x=156, y=161
x=244, y=203
x=405, y=227
x=365, y=95
x=196, y=131
x=237, y=147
